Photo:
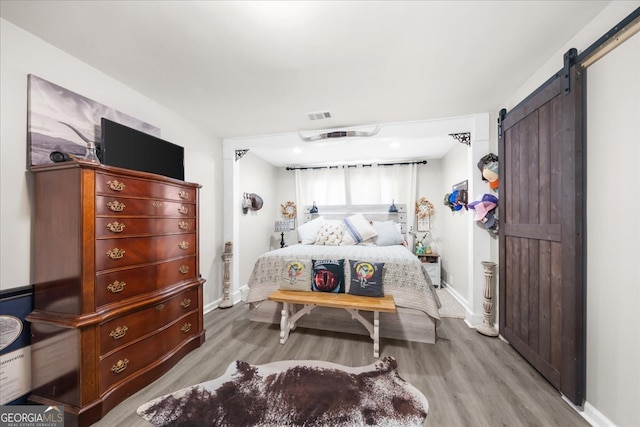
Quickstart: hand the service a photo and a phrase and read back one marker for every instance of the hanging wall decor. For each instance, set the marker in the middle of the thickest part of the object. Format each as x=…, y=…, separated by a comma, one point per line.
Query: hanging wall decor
x=424, y=210
x=251, y=201
x=486, y=213
x=488, y=166
x=289, y=210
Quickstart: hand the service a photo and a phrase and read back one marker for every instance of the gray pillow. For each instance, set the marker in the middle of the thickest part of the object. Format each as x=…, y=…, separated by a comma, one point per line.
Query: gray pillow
x=388, y=234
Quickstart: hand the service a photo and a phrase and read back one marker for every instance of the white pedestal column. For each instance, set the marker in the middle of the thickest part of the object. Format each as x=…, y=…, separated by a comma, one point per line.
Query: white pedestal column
x=226, y=280
x=486, y=328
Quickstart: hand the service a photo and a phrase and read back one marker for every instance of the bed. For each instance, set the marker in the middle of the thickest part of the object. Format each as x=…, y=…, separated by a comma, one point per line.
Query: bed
x=403, y=277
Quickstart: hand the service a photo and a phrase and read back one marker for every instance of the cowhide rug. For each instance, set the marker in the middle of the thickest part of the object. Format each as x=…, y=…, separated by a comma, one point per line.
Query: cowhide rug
x=294, y=393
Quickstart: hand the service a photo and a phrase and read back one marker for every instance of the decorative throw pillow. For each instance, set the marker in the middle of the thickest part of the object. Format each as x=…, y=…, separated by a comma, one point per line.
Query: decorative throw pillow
x=347, y=240
x=388, y=234
x=366, y=278
x=330, y=233
x=308, y=231
x=358, y=228
x=296, y=275
x=328, y=275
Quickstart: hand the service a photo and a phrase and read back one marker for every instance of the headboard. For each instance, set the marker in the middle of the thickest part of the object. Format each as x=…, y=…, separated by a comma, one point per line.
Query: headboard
x=374, y=212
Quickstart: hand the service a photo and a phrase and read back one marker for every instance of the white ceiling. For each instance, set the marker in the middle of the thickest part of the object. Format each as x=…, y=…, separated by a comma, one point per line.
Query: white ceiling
x=242, y=68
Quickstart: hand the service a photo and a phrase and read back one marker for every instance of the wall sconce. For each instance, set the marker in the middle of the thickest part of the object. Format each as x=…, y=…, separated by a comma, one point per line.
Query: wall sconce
x=281, y=227
x=251, y=201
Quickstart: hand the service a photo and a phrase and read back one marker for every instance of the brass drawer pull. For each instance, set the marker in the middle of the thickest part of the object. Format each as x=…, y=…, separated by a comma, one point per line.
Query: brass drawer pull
x=115, y=227
x=116, y=287
x=183, y=225
x=185, y=302
x=116, y=206
x=186, y=327
x=156, y=204
x=183, y=195
x=183, y=209
x=120, y=366
x=160, y=307
x=184, y=245
x=116, y=253
x=116, y=185
x=119, y=332
x=184, y=269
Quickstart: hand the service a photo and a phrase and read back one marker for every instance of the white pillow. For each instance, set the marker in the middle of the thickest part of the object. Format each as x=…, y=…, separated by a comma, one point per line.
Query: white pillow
x=330, y=233
x=359, y=228
x=388, y=234
x=308, y=231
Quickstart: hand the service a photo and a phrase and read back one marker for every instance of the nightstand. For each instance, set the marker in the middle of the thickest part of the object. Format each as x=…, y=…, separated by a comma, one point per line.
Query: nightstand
x=431, y=264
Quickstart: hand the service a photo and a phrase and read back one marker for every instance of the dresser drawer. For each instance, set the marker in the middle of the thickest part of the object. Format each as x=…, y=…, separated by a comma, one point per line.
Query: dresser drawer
x=126, y=206
x=113, y=226
x=116, y=253
x=126, y=283
x=125, y=186
x=127, y=361
x=121, y=331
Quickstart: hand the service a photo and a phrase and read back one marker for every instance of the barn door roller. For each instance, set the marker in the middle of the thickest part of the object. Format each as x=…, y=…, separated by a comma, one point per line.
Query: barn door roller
x=569, y=60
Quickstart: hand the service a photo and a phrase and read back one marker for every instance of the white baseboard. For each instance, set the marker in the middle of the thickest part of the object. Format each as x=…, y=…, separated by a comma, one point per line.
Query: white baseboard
x=471, y=319
x=235, y=297
x=594, y=417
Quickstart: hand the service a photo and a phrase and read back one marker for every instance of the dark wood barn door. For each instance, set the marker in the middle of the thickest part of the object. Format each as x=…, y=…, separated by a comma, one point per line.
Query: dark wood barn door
x=541, y=232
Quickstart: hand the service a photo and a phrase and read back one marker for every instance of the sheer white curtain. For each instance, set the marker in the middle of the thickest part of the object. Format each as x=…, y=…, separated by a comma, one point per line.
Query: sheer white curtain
x=358, y=185
x=323, y=186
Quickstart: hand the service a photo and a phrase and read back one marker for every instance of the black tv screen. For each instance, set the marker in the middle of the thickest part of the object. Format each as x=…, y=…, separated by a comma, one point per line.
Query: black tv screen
x=129, y=148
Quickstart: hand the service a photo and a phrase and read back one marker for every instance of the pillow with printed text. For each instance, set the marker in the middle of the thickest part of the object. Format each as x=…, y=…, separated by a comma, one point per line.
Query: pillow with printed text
x=328, y=276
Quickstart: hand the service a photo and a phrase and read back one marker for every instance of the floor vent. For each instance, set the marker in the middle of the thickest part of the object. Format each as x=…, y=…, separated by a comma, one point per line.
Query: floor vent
x=321, y=115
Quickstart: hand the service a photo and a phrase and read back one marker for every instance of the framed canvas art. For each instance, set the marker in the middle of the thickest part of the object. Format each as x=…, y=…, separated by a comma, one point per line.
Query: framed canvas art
x=64, y=121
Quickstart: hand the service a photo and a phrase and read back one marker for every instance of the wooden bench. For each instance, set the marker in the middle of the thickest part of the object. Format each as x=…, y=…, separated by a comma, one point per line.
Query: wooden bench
x=351, y=303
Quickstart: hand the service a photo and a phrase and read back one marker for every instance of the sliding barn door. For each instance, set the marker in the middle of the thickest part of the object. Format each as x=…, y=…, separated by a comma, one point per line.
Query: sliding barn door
x=541, y=232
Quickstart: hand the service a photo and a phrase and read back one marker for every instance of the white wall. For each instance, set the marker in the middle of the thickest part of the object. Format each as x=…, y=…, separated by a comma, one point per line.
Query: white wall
x=613, y=225
x=256, y=227
x=613, y=132
x=21, y=54
x=428, y=178
x=455, y=240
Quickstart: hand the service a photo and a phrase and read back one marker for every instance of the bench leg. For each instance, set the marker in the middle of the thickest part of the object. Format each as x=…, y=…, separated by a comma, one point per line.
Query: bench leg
x=284, y=323
x=374, y=329
x=289, y=318
x=376, y=334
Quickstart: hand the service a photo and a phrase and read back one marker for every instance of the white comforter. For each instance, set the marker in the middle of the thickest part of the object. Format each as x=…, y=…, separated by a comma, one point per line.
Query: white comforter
x=403, y=274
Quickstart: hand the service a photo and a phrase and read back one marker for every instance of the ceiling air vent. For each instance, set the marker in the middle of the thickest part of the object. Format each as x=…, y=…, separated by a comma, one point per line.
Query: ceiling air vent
x=321, y=115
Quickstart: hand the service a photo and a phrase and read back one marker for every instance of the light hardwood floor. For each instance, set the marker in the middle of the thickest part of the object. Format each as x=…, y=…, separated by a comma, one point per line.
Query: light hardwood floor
x=469, y=379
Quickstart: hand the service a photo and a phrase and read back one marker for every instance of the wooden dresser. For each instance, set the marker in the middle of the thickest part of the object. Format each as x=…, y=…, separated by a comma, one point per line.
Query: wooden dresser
x=118, y=294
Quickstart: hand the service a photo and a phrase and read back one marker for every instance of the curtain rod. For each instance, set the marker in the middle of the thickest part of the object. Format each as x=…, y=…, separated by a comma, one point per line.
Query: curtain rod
x=419, y=162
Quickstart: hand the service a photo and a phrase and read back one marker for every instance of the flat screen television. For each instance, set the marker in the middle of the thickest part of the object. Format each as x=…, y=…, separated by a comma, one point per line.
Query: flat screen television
x=130, y=148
